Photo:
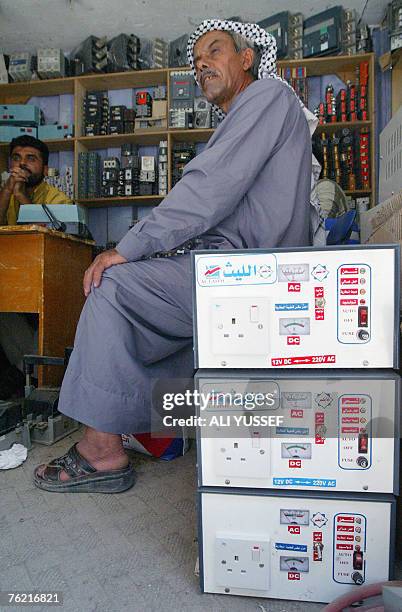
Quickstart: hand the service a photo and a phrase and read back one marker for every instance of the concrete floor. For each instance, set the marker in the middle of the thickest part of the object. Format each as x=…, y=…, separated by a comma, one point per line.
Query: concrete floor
x=135, y=551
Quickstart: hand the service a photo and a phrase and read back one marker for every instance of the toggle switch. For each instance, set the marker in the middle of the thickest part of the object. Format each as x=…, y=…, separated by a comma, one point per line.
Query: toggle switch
x=363, y=316
x=256, y=440
x=255, y=554
x=254, y=314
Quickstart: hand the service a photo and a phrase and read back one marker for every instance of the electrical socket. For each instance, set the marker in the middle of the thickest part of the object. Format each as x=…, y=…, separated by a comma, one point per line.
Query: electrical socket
x=242, y=563
x=243, y=457
x=240, y=326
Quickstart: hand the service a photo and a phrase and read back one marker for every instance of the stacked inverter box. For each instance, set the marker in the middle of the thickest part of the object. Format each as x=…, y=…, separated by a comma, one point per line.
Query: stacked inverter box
x=298, y=429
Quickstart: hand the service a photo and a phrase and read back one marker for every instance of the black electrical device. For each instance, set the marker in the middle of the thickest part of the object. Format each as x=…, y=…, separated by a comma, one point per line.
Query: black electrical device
x=322, y=33
x=278, y=26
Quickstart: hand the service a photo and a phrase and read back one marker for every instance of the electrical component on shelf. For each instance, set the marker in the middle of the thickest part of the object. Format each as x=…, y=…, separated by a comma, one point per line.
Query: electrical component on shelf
x=64, y=183
x=90, y=56
x=322, y=34
x=130, y=171
x=364, y=43
x=182, y=153
x=153, y=54
x=9, y=132
x=346, y=158
x=4, y=63
x=20, y=114
x=350, y=104
x=163, y=168
x=178, y=52
x=123, y=53
x=349, y=32
x=55, y=131
x=287, y=28
x=89, y=175
x=395, y=24
x=181, y=111
x=51, y=63
x=297, y=78
x=202, y=113
x=96, y=114
x=147, y=172
x=159, y=92
x=278, y=26
x=22, y=66
x=143, y=104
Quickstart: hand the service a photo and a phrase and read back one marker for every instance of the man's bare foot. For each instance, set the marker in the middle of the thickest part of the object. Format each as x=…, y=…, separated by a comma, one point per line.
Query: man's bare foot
x=103, y=451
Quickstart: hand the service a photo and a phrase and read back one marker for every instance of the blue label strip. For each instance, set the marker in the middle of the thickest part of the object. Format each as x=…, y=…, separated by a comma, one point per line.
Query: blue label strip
x=286, y=307
x=304, y=482
x=295, y=547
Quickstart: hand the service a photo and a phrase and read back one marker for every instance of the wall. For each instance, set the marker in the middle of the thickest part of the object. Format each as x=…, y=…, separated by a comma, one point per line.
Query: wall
x=29, y=24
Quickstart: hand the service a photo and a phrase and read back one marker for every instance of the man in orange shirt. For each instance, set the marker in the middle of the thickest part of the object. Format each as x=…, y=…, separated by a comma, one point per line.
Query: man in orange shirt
x=28, y=167
x=26, y=185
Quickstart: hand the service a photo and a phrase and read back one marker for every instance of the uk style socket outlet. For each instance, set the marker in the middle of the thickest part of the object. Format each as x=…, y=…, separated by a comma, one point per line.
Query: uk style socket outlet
x=242, y=563
x=240, y=326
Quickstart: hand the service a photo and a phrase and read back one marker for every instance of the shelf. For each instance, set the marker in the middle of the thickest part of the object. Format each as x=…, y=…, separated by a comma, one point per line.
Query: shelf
x=332, y=64
x=333, y=127
x=141, y=137
x=358, y=192
x=48, y=87
x=123, y=80
x=318, y=66
x=146, y=200
x=62, y=144
x=196, y=135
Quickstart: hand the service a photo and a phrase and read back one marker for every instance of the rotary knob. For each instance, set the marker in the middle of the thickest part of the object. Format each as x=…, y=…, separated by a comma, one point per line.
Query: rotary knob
x=363, y=334
x=362, y=462
x=357, y=578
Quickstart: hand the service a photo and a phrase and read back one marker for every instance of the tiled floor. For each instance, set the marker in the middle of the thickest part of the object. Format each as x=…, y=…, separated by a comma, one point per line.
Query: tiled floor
x=131, y=552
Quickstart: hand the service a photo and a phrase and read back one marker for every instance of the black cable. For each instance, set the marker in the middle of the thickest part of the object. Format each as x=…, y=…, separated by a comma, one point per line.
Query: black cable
x=363, y=11
x=56, y=224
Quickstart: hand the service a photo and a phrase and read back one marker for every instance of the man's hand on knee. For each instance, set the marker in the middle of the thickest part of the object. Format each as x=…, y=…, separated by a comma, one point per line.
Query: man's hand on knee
x=103, y=261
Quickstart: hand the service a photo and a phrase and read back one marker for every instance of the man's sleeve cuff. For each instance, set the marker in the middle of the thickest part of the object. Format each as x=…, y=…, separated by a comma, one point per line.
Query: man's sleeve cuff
x=130, y=247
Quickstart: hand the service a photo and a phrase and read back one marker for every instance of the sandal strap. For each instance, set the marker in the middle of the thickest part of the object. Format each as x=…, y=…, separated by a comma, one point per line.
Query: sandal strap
x=73, y=463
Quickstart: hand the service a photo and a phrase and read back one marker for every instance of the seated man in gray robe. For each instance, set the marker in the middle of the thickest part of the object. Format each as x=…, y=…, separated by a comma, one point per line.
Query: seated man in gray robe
x=249, y=188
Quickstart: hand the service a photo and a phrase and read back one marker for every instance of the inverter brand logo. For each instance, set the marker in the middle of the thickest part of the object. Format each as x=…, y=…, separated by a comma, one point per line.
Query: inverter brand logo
x=213, y=271
x=236, y=270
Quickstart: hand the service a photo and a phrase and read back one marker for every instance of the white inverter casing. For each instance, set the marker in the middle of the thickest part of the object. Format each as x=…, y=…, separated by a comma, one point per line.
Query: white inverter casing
x=336, y=307
x=305, y=548
x=338, y=430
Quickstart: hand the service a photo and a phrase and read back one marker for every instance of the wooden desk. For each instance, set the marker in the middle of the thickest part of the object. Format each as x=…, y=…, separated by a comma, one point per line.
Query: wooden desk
x=41, y=271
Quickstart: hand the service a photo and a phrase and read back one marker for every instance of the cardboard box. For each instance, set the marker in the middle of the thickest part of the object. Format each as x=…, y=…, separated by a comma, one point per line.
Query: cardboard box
x=159, y=109
x=382, y=224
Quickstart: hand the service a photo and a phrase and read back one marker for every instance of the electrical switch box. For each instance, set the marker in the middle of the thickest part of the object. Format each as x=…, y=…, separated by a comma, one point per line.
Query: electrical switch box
x=305, y=548
x=329, y=308
x=329, y=431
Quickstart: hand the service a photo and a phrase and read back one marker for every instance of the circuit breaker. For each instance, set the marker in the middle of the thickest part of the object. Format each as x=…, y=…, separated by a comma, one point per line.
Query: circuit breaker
x=306, y=548
x=311, y=308
x=330, y=431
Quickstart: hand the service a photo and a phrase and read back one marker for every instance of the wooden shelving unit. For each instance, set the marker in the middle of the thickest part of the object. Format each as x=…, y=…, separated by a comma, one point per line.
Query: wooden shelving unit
x=342, y=66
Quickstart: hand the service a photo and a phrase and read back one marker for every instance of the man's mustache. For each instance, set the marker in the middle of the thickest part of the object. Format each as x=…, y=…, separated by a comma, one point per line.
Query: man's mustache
x=206, y=73
x=23, y=167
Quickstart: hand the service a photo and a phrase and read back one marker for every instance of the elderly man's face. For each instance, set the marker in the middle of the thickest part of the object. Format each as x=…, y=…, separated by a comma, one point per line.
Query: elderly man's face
x=221, y=72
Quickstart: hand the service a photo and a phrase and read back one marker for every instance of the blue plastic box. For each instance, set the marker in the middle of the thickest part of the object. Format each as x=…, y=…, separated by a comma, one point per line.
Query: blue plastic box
x=20, y=114
x=8, y=132
x=54, y=132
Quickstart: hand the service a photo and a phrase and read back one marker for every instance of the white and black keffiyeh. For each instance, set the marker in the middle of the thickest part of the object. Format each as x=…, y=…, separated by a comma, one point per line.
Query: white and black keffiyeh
x=266, y=45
